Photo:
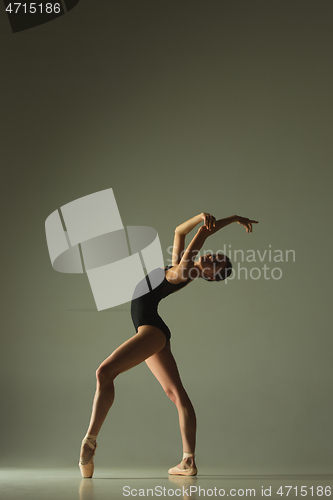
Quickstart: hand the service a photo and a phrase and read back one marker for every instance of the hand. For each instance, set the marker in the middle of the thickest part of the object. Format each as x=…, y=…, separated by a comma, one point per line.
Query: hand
x=209, y=220
x=247, y=223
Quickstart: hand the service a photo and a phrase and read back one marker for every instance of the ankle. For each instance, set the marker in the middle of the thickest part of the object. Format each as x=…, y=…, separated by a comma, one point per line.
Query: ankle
x=91, y=437
x=88, y=443
x=188, y=458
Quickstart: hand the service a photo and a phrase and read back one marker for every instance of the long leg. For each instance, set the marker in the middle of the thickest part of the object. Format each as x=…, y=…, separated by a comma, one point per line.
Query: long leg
x=164, y=367
x=148, y=341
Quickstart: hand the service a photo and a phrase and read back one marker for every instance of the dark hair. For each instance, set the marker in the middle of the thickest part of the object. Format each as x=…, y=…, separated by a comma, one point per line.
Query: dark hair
x=225, y=272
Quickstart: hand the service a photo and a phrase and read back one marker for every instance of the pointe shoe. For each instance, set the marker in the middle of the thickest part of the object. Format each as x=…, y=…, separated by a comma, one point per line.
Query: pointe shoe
x=87, y=469
x=186, y=471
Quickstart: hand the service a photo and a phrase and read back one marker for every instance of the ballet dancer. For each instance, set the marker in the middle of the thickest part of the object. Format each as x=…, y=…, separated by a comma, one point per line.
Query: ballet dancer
x=152, y=340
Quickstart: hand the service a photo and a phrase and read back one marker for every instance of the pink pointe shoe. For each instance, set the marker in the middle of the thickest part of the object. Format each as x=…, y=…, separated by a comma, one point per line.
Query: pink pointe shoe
x=87, y=467
x=186, y=470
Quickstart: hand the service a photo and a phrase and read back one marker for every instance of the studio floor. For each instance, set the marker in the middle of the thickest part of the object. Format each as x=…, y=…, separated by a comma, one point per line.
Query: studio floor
x=67, y=484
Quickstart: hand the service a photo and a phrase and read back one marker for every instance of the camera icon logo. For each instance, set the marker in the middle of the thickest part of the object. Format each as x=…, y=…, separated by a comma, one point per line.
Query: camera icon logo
x=91, y=239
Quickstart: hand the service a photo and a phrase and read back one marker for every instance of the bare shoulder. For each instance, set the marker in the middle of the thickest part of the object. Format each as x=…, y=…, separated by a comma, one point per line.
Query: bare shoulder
x=174, y=275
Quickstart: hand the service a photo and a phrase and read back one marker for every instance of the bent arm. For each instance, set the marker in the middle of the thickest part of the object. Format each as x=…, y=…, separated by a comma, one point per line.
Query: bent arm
x=211, y=226
x=186, y=263
x=219, y=224
x=243, y=221
x=179, y=239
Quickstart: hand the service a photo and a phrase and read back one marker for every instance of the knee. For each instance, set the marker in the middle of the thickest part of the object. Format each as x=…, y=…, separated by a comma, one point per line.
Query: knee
x=105, y=374
x=172, y=394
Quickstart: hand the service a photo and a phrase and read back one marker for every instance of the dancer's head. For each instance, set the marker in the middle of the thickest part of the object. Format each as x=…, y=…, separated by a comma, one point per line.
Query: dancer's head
x=215, y=267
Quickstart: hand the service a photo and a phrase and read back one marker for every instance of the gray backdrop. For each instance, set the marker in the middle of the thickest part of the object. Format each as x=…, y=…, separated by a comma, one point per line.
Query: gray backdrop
x=180, y=107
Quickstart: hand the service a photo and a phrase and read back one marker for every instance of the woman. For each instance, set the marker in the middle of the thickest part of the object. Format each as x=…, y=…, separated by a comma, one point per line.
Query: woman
x=152, y=340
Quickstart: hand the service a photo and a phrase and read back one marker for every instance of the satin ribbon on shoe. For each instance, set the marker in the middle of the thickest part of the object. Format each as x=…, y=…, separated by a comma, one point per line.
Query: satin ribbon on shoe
x=186, y=471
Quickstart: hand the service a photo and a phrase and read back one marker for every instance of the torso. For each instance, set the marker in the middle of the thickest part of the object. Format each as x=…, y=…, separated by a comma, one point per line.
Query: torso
x=144, y=305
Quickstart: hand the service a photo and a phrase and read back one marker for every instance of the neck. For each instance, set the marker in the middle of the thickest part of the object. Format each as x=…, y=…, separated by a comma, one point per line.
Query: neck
x=198, y=267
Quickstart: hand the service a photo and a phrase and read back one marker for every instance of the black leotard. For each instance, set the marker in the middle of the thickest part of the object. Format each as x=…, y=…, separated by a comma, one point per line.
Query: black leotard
x=144, y=308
